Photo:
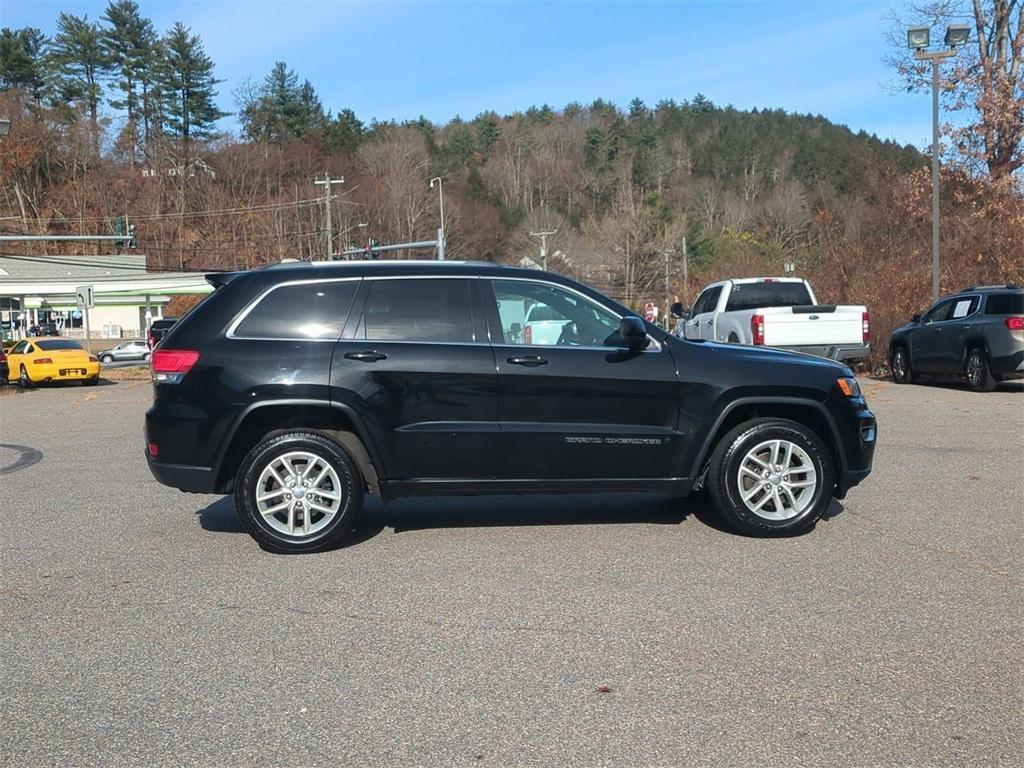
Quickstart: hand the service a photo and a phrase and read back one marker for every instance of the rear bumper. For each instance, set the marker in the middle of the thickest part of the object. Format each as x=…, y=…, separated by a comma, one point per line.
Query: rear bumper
x=1009, y=366
x=184, y=478
x=52, y=372
x=840, y=352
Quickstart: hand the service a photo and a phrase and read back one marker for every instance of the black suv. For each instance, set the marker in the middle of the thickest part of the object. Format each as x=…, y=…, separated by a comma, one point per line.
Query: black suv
x=300, y=387
x=977, y=333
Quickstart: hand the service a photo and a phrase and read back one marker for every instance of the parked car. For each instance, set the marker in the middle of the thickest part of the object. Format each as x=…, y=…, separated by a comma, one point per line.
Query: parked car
x=40, y=360
x=158, y=330
x=777, y=312
x=4, y=369
x=300, y=387
x=129, y=350
x=977, y=334
x=44, y=329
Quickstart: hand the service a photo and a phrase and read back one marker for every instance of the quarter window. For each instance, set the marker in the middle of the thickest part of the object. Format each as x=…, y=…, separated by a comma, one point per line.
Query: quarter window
x=300, y=311
x=1005, y=304
x=537, y=314
x=425, y=309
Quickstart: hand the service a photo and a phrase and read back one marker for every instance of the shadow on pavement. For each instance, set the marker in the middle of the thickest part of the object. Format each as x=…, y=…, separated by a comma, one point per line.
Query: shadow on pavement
x=428, y=513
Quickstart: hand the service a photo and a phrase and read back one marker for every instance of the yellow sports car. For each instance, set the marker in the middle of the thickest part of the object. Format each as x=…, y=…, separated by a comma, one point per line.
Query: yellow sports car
x=51, y=358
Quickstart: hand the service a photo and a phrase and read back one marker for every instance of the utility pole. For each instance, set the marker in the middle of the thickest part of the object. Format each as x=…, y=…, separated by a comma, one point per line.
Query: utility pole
x=686, y=276
x=327, y=182
x=544, y=246
x=668, y=301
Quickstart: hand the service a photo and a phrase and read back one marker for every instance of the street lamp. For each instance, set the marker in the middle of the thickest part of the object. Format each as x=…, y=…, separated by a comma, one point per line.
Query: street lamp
x=918, y=39
x=5, y=126
x=440, y=230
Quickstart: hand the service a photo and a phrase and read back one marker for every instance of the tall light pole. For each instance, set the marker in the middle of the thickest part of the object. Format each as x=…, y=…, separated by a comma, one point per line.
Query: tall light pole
x=440, y=230
x=918, y=39
x=544, y=246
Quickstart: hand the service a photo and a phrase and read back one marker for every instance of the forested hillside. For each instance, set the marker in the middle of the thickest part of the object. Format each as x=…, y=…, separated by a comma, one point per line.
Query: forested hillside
x=115, y=118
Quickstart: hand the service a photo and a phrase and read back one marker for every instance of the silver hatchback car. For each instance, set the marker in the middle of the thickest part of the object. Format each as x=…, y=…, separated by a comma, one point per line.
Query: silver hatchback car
x=130, y=350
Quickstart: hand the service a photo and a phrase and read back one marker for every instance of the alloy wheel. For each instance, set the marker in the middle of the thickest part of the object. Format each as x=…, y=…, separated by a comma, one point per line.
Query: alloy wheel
x=777, y=480
x=298, y=494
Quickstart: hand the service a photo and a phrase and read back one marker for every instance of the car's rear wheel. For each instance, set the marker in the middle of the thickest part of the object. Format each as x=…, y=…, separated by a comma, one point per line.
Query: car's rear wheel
x=24, y=380
x=91, y=381
x=298, y=492
x=734, y=339
x=899, y=364
x=977, y=372
x=771, y=477
x=145, y=357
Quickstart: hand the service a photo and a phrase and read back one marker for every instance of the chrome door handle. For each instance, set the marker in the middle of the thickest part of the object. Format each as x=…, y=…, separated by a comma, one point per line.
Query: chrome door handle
x=369, y=356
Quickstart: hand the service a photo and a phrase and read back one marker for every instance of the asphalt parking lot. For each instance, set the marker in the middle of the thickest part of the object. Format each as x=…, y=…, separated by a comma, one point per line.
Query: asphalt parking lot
x=141, y=626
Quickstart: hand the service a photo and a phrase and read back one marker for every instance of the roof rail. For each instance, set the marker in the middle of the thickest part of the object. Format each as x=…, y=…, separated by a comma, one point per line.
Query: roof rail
x=1010, y=286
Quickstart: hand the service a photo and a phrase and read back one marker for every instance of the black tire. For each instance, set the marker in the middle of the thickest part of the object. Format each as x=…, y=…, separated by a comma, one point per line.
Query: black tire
x=734, y=339
x=351, y=492
x=24, y=380
x=145, y=357
x=899, y=364
x=91, y=382
x=977, y=372
x=724, y=471
x=106, y=359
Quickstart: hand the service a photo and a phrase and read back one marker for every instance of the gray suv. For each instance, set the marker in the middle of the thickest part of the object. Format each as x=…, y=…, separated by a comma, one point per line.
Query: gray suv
x=977, y=333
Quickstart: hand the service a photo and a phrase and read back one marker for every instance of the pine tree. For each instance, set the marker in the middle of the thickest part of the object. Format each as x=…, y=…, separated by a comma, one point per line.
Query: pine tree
x=128, y=42
x=80, y=64
x=23, y=61
x=189, y=87
x=281, y=110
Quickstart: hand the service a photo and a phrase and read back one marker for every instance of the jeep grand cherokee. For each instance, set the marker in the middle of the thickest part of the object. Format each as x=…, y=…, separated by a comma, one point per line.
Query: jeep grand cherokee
x=301, y=387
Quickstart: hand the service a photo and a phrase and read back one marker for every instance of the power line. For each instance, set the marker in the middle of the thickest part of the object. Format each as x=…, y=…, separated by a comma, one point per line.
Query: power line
x=191, y=214
x=102, y=265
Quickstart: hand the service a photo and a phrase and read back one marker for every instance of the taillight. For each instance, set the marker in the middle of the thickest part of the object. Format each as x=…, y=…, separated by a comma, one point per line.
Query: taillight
x=171, y=365
x=93, y=359
x=757, y=328
x=865, y=327
x=1015, y=323
x=43, y=361
x=153, y=449
x=527, y=335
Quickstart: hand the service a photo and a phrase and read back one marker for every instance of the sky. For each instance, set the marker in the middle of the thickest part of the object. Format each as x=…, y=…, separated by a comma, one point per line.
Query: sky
x=400, y=60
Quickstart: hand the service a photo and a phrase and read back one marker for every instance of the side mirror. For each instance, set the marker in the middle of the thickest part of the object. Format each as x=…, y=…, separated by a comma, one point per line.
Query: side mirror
x=678, y=311
x=633, y=333
x=916, y=318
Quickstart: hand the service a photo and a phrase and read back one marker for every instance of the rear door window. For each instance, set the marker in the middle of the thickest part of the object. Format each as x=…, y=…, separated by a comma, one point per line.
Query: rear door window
x=1005, y=304
x=418, y=309
x=300, y=311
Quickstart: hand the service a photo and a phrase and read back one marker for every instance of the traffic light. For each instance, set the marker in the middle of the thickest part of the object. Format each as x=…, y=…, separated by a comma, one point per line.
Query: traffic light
x=132, y=239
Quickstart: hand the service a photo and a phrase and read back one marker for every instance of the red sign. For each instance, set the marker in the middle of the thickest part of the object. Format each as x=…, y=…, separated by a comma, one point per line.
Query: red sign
x=650, y=313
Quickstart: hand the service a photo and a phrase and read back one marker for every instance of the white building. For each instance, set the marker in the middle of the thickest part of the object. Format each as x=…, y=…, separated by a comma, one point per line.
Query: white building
x=42, y=289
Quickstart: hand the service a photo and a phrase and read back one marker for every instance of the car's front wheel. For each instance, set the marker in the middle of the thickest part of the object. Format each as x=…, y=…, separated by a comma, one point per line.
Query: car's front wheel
x=298, y=492
x=106, y=358
x=771, y=477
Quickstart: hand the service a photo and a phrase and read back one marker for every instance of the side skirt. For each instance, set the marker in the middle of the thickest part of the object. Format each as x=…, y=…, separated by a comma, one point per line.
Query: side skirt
x=670, y=486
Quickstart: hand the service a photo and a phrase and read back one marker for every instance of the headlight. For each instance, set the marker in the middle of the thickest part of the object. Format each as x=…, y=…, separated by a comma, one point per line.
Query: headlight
x=848, y=386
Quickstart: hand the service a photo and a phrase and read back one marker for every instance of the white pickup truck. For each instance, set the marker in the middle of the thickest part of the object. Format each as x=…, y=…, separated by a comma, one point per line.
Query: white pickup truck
x=777, y=312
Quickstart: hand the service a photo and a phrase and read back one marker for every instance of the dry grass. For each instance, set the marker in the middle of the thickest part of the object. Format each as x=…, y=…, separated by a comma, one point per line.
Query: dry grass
x=140, y=373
